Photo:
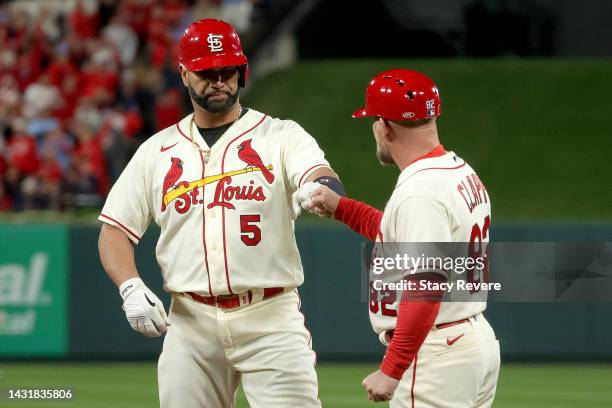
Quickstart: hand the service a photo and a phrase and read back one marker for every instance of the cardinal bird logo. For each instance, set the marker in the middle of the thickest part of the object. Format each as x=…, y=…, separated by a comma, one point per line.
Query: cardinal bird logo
x=172, y=176
x=248, y=155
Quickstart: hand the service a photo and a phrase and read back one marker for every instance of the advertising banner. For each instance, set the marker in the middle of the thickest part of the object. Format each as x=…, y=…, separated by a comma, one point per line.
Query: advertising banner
x=33, y=290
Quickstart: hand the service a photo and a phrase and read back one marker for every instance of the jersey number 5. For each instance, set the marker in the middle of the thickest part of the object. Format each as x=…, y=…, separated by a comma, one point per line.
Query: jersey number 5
x=250, y=234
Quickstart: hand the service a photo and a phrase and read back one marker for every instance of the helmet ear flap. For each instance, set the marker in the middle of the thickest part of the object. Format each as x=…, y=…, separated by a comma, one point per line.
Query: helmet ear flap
x=243, y=75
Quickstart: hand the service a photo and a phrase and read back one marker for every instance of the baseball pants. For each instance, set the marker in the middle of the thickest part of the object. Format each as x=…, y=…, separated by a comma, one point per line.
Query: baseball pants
x=456, y=367
x=208, y=351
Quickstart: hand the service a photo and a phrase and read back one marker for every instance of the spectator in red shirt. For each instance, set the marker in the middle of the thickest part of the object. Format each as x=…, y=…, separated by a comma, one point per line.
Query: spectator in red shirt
x=168, y=108
x=90, y=151
x=159, y=39
x=71, y=92
x=100, y=79
x=61, y=66
x=49, y=177
x=82, y=22
x=138, y=13
x=21, y=150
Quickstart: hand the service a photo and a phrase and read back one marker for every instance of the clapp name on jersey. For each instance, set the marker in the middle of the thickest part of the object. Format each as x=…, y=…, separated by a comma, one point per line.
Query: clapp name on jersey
x=473, y=191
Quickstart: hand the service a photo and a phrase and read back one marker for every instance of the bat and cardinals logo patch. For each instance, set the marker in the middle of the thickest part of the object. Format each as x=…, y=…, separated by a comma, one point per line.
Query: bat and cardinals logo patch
x=184, y=194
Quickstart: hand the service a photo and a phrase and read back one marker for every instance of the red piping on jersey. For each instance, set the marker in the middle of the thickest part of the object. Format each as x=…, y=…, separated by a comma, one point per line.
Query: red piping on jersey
x=181, y=132
x=121, y=225
x=436, y=152
x=210, y=292
x=439, y=168
x=432, y=168
x=229, y=286
x=306, y=172
x=413, y=381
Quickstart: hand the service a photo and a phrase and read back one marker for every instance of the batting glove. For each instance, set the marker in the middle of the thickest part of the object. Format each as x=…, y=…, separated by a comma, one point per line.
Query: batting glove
x=303, y=195
x=143, y=309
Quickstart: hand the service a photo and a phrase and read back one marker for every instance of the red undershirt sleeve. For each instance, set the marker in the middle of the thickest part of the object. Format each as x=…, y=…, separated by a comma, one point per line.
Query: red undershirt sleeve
x=359, y=217
x=416, y=316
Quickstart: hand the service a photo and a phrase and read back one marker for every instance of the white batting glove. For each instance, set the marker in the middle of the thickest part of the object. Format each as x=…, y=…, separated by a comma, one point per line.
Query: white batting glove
x=303, y=195
x=143, y=309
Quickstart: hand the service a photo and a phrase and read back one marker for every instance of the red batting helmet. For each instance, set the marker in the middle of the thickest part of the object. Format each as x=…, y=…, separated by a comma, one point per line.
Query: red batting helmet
x=210, y=43
x=401, y=94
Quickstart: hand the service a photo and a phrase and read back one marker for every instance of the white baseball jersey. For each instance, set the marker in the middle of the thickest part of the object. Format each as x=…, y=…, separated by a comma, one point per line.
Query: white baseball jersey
x=438, y=198
x=226, y=213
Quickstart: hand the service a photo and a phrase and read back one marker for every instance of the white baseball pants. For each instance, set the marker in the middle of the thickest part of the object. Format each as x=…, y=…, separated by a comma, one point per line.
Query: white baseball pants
x=456, y=367
x=208, y=351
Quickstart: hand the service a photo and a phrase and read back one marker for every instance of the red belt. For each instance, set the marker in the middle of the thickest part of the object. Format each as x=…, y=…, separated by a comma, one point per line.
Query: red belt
x=439, y=326
x=233, y=301
x=444, y=325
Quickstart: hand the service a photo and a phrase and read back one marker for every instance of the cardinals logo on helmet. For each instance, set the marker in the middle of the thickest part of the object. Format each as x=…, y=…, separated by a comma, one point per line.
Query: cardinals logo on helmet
x=214, y=42
x=247, y=154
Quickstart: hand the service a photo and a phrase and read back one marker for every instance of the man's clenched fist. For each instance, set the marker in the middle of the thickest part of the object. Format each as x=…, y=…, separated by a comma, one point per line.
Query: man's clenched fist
x=143, y=309
x=380, y=387
x=324, y=201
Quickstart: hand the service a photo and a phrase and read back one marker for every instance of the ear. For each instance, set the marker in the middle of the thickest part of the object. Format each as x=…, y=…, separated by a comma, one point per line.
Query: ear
x=183, y=72
x=386, y=131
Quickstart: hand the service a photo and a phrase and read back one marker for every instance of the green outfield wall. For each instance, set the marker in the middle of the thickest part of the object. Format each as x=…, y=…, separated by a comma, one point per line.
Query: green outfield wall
x=34, y=292
x=537, y=131
x=56, y=301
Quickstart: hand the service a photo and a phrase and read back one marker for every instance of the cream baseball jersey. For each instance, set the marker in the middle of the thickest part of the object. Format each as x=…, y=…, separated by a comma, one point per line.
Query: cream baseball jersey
x=226, y=213
x=439, y=198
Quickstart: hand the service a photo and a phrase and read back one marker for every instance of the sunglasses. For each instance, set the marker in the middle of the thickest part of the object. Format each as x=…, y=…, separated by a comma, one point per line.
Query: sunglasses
x=224, y=74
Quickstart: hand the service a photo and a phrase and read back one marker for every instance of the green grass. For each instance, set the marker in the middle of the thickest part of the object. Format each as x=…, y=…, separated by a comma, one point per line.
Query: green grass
x=536, y=131
x=133, y=385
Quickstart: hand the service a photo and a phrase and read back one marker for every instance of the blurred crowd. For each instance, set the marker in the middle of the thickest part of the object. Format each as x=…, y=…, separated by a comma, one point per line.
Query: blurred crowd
x=82, y=84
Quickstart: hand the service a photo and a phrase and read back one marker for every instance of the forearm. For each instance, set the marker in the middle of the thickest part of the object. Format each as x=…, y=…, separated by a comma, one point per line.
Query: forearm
x=359, y=217
x=416, y=316
x=116, y=254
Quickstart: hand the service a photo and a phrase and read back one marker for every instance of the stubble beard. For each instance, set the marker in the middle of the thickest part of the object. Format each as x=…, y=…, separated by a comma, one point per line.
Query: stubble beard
x=383, y=155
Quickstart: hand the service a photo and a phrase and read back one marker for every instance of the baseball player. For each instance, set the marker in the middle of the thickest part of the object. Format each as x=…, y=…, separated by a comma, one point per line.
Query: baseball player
x=439, y=354
x=223, y=186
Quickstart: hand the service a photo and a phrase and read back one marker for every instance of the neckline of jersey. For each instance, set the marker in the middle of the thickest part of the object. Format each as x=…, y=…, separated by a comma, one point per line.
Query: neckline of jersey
x=419, y=164
x=213, y=134
x=436, y=152
x=193, y=135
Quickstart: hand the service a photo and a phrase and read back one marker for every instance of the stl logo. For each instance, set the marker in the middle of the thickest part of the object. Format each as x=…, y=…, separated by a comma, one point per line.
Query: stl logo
x=214, y=42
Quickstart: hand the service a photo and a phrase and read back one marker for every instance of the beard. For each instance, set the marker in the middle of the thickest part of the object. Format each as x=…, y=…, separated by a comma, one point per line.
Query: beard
x=383, y=155
x=214, y=106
